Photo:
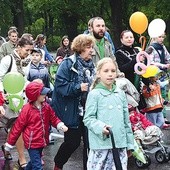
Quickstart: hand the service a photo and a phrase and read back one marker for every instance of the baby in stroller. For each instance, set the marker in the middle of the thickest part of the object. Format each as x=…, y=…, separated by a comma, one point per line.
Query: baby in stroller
x=143, y=129
x=147, y=135
x=145, y=132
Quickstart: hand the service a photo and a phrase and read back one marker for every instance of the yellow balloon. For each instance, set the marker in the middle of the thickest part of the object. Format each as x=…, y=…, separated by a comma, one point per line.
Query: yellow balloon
x=138, y=22
x=151, y=71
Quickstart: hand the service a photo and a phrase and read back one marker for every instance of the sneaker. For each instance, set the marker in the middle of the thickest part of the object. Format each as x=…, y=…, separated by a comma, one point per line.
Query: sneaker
x=167, y=121
x=165, y=126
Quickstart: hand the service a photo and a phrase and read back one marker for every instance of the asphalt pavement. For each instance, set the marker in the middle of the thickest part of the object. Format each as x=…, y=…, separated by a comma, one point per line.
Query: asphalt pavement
x=75, y=161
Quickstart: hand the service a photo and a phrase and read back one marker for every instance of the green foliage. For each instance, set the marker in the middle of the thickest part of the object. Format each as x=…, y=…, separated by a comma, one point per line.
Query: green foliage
x=56, y=18
x=53, y=42
x=37, y=27
x=6, y=18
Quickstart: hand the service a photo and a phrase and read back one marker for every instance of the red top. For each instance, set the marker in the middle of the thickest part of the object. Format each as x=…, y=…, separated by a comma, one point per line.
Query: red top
x=139, y=121
x=34, y=125
x=1, y=98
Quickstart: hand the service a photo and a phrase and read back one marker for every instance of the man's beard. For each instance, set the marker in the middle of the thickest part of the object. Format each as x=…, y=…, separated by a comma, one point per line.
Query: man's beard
x=97, y=36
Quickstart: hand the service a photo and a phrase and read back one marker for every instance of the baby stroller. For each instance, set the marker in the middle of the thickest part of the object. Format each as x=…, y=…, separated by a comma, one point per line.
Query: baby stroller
x=157, y=147
x=151, y=145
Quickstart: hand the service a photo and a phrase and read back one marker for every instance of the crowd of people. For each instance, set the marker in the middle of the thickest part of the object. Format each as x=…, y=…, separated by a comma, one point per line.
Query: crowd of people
x=83, y=91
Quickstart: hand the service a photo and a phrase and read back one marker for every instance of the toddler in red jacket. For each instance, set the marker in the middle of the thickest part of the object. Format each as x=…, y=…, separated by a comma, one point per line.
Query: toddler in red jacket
x=34, y=122
x=144, y=131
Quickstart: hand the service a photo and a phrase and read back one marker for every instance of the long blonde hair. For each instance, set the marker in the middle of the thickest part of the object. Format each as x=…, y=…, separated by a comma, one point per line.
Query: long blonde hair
x=100, y=64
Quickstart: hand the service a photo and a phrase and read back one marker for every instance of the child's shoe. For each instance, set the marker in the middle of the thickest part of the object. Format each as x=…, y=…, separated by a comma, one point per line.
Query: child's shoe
x=56, y=168
x=165, y=126
x=167, y=121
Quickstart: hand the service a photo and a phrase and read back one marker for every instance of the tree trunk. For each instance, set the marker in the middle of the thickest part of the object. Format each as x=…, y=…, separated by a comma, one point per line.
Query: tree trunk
x=45, y=30
x=18, y=15
x=116, y=17
x=70, y=25
x=51, y=24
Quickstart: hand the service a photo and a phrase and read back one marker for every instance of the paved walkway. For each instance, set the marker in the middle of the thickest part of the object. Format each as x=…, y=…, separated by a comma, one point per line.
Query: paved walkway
x=75, y=162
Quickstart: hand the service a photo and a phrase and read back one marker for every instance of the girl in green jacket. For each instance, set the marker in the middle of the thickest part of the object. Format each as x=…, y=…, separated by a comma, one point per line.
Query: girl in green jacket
x=106, y=107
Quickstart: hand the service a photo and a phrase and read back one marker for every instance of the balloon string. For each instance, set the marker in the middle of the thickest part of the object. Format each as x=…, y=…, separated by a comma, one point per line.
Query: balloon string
x=142, y=41
x=148, y=42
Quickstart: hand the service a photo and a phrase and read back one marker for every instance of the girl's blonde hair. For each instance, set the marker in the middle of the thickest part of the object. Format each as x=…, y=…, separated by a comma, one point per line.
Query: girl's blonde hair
x=99, y=67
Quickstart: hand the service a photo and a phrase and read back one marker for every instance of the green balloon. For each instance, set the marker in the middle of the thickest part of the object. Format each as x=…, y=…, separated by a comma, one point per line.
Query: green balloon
x=11, y=104
x=13, y=82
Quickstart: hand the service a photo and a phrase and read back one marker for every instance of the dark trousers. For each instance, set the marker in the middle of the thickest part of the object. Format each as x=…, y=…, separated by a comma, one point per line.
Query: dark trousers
x=35, y=159
x=72, y=139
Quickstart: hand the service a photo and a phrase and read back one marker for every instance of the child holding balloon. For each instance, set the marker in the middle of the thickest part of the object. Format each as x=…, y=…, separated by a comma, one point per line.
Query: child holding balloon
x=160, y=57
x=33, y=122
x=154, y=102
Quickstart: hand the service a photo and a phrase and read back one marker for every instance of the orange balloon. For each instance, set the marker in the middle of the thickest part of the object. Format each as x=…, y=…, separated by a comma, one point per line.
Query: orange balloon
x=138, y=22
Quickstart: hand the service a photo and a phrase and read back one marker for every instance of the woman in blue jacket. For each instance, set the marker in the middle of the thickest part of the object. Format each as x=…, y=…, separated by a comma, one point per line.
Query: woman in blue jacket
x=73, y=79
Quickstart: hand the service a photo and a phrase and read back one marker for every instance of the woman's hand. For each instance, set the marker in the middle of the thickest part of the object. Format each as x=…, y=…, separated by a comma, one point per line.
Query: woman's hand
x=84, y=86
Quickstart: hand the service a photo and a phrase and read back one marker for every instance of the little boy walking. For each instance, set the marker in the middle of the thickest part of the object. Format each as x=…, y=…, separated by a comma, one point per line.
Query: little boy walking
x=34, y=122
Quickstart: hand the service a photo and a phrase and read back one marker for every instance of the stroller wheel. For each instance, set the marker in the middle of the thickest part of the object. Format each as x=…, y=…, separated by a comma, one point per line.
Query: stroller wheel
x=162, y=157
x=167, y=156
x=140, y=164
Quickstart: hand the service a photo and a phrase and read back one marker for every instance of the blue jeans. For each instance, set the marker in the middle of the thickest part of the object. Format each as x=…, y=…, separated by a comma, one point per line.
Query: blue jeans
x=156, y=118
x=35, y=159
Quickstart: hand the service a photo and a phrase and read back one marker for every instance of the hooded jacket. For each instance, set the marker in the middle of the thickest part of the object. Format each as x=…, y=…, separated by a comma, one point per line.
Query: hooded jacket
x=67, y=92
x=153, y=98
x=108, y=107
x=34, y=122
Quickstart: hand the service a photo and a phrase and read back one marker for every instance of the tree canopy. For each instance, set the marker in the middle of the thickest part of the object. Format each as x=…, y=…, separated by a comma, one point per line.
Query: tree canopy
x=67, y=17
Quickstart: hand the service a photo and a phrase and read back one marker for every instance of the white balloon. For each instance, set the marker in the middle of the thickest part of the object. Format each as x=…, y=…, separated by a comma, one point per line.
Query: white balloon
x=156, y=28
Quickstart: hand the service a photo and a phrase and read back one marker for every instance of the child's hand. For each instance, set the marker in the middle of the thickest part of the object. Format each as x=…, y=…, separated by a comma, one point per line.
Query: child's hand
x=105, y=130
x=7, y=147
x=2, y=111
x=64, y=128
